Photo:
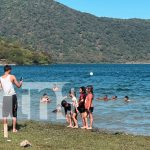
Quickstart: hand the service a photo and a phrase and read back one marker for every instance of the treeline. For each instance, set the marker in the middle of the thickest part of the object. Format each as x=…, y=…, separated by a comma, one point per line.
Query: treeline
x=14, y=53
x=74, y=37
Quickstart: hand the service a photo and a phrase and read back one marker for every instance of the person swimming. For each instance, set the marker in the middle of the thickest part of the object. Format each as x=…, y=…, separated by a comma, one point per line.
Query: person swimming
x=126, y=99
x=55, y=88
x=58, y=109
x=45, y=98
x=114, y=97
x=105, y=98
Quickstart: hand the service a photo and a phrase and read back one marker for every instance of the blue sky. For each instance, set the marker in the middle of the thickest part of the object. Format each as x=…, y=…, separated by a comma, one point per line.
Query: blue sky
x=112, y=8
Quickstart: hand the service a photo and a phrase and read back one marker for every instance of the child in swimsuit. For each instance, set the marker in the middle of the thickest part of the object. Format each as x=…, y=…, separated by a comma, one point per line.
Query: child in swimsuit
x=89, y=107
x=72, y=94
x=68, y=112
x=81, y=103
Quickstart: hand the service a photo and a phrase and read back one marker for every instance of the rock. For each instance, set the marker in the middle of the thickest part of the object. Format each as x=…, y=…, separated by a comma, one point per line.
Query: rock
x=25, y=143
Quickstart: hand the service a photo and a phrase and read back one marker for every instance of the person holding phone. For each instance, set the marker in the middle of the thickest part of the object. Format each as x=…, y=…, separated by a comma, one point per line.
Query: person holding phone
x=7, y=81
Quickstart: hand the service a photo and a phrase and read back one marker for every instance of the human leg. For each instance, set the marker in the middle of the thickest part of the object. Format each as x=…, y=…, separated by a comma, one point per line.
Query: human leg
x=74, y=116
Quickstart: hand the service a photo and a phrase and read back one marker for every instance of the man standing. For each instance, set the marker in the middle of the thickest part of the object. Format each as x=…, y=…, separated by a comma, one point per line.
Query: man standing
x=9, y=98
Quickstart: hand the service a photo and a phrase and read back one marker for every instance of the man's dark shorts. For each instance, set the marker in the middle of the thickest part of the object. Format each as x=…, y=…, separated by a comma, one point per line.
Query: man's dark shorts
x=10, y=106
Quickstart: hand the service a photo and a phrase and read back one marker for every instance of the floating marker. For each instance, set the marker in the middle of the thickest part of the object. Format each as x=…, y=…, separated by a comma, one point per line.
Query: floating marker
x=91, y=73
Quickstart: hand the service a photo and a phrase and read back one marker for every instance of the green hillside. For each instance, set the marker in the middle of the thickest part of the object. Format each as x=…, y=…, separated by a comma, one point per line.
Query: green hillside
x=74, y=37
x=14, y=53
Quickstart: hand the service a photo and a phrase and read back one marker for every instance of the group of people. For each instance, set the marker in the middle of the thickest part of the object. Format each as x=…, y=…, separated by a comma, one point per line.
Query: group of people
x=83, y=106
x=106, y=98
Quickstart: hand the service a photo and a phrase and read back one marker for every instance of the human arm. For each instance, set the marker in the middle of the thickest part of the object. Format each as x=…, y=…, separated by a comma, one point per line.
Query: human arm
x=76, y=106
x=0, y=85
x=14, y=80
x=81, y=99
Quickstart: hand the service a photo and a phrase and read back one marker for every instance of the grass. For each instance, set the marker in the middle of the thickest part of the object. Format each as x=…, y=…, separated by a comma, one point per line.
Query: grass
x=58, y=137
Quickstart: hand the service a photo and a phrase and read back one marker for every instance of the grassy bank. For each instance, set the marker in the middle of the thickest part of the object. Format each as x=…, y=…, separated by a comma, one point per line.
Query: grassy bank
x=50, y=136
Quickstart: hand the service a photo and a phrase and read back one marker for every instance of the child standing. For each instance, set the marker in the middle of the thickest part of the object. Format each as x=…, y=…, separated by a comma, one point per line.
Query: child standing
x=89, y=107
x=72, y=94
x=81, y=104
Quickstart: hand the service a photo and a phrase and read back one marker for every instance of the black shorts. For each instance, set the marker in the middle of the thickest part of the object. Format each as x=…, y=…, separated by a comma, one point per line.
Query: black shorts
x=10, y=106
x=90, y=110
x=81, y=109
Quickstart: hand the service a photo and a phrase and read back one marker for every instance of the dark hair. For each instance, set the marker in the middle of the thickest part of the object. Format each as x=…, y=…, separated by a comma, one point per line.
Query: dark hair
x=63, y=103
x=83, y=89
x=7, y=68
x=126, y=97
x=90, y=87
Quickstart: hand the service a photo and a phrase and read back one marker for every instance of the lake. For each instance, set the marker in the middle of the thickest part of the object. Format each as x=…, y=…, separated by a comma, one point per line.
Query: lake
x=107, y=79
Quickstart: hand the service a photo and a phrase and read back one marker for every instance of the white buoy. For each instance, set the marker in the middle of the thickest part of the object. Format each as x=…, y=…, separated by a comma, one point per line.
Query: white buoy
x=91, y=73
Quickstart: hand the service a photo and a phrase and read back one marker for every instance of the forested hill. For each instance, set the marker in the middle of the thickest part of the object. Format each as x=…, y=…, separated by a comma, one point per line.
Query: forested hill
x=74, y=37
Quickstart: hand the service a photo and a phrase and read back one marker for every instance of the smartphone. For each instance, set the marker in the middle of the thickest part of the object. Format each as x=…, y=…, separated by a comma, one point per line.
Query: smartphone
x=21, y=79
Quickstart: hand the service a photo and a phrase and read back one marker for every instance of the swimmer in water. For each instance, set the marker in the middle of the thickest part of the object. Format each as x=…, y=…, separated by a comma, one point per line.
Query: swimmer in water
x=45, y=98
x=105, y=98
x=55, y=88
x=126, y=99
x=114, y=97
x=58, y=109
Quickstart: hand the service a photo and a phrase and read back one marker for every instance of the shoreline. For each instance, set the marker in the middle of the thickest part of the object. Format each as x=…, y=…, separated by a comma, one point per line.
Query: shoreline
x=95, y=129
x=76, y=64
x=54, y=136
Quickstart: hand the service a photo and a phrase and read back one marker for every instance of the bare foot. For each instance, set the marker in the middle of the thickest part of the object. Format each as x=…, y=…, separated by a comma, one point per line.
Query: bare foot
x=90, y=128
x=14, y=130
x=75, y=127
x=83, y=127
x=69, y=126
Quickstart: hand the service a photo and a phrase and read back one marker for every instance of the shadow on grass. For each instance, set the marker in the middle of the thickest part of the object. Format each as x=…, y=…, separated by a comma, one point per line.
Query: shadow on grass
x=19, y=126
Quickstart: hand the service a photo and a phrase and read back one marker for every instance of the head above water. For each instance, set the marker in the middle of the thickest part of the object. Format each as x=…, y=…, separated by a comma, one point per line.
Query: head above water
x=114, y=97
x=7, y=68
x=126, y=97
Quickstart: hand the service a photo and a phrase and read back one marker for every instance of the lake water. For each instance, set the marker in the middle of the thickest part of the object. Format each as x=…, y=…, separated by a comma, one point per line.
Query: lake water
x=114, y=79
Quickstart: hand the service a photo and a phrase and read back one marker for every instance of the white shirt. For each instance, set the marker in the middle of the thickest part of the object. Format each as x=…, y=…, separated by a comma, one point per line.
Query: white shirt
x=75, y=102
x=7, y=86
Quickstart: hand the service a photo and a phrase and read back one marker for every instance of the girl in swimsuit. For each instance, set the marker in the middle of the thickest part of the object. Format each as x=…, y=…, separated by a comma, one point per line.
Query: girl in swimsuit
x=89, y=107
x=75, y=106
x=81, y=103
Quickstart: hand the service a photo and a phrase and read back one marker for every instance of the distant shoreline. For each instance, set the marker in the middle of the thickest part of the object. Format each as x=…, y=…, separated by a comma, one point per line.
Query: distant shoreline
x=67, y=63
